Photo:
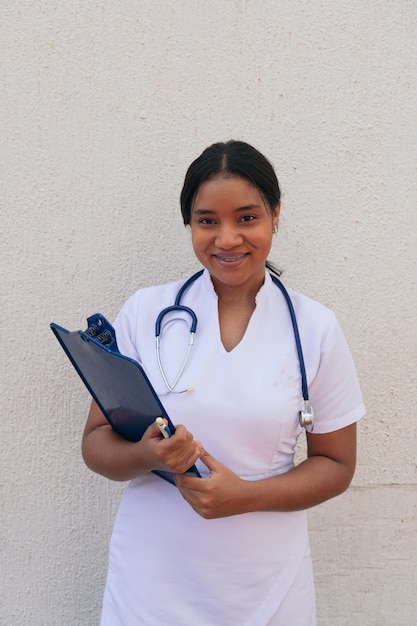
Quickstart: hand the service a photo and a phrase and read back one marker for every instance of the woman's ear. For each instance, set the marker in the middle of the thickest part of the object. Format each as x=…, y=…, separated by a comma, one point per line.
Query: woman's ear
x=275, y=217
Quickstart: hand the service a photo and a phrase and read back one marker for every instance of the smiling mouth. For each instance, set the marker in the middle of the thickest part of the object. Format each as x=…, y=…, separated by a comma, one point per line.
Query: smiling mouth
x=230, y=259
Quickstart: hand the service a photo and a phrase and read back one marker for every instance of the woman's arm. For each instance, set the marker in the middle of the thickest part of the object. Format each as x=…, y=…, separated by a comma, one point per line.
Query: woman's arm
x=106, y=452
x=326, y=473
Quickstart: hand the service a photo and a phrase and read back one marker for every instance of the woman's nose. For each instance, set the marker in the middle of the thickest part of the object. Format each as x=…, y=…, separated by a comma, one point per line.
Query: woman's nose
x=228, y=236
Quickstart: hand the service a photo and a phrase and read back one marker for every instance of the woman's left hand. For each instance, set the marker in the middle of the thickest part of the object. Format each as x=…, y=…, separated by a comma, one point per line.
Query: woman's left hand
x=220, y=495
x=326, y=473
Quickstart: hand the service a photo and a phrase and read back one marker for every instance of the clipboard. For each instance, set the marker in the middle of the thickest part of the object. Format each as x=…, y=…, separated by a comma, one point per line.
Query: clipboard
x=118, y=384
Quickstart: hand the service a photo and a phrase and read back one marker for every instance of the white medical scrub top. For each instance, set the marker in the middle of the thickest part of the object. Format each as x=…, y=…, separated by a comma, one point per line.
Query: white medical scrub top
x=167, y=565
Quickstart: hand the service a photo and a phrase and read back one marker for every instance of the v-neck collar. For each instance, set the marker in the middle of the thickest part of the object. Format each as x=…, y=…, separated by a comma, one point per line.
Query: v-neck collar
x=260, y=296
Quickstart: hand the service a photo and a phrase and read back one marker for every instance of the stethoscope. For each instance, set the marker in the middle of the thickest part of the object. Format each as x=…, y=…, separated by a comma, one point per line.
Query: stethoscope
x=306, y=415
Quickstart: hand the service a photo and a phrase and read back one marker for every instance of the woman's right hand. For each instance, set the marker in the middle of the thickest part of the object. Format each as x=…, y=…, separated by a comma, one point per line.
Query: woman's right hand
x=176, y=454
x=107, y=453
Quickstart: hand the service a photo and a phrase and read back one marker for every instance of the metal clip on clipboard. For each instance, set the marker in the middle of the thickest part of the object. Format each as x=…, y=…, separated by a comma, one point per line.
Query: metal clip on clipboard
x=102, y=331
x=117, y=383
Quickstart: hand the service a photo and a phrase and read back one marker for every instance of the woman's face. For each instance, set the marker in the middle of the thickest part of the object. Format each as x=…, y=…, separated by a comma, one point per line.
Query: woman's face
x=231, y=227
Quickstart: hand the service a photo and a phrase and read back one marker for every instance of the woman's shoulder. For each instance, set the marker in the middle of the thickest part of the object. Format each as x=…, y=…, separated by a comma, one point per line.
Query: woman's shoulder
x=306, y=303
x=140, y=310
x=306, y=306
x=154, y=293
x=313, y=317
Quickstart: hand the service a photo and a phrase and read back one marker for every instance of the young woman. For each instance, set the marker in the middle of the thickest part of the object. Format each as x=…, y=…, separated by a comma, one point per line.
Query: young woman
x=230, y=547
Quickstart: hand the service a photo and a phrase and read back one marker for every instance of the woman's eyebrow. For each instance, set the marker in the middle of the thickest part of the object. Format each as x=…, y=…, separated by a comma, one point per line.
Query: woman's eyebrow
x=246, y=207
x=249, y=207
x=203, y=211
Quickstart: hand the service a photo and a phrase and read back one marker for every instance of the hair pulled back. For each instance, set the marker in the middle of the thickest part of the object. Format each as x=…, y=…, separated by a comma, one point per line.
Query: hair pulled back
x=233, y=158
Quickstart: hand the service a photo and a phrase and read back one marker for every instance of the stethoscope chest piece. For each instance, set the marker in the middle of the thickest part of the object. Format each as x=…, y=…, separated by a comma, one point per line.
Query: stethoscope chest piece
x=306, y=417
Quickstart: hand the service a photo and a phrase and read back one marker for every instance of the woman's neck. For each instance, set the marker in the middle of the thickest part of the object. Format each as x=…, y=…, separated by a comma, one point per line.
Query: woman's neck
x=236, y=304
x=240, y=295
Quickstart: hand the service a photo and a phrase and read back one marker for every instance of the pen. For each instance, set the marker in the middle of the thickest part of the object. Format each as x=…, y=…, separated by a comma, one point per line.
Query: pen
x=163, y=427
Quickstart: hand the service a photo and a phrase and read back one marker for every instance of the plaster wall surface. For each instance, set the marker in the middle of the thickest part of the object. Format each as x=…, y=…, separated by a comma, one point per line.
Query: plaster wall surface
x=103, y=106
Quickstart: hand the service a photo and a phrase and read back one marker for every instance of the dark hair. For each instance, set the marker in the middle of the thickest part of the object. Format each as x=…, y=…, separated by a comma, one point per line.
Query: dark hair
x=233, y=158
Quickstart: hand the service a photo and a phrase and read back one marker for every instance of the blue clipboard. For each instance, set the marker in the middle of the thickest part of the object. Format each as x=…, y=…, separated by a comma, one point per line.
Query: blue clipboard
x=118, y=384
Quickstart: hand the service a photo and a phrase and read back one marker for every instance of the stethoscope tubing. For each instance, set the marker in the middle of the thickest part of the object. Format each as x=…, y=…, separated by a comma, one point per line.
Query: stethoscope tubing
x=175, y=307
x=304, y=385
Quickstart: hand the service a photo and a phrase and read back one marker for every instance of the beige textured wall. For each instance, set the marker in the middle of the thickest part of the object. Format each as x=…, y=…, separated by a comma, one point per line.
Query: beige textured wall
x=103, y=105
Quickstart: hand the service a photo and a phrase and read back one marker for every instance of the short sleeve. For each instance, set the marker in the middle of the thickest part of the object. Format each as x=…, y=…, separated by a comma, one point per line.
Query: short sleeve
x=126, y=328
x=334, y=392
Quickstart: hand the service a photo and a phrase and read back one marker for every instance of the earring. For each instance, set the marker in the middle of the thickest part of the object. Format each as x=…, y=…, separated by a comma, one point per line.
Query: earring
x=275, y=229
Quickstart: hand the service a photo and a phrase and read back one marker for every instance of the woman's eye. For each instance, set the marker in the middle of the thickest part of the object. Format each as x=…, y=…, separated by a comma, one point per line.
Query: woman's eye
x=207, y=220
x=248, y=218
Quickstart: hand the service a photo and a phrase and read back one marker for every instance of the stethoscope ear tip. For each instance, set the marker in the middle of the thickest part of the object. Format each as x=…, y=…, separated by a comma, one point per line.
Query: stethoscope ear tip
x=191, y=388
